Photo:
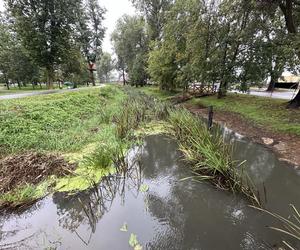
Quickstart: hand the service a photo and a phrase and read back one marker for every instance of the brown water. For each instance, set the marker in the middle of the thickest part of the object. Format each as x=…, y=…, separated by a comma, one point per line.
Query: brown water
x=173, y=214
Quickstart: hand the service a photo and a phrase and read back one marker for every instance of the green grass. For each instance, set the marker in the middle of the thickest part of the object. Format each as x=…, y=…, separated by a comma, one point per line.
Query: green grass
x=61, y=122
x=209, y=156
x=262, y=111
x=266, y=112
x=94, y=128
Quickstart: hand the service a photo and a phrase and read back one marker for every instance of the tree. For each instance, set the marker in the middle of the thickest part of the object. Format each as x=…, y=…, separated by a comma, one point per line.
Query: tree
x=155, y=14
x=90, y=17
x=290, y=11
x=45, y=28
x=15, y=63
x=131, y=46
x=162, y=66
x=105, y=66
x=74, y=68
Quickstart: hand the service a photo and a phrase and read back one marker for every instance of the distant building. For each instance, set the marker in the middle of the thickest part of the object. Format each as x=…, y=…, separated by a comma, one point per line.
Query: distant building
x=288, y=82
x=289, y=79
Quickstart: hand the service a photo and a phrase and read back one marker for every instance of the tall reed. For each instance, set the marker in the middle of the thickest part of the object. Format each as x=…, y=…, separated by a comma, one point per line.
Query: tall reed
x=208, y=154
x=136, y=109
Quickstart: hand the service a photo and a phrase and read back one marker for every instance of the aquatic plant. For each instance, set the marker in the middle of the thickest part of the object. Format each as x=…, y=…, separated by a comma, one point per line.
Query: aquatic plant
x=136, y=109
x=209, y=156
x=290, y=225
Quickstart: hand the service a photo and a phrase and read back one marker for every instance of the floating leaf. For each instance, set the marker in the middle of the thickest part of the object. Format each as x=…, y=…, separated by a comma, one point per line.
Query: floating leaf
x=133, y=240
x=124, y=228
x=144, y=188
x=138, y=247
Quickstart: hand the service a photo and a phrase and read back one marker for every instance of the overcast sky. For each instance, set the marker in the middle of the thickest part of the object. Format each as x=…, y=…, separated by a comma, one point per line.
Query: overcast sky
x=115, y=9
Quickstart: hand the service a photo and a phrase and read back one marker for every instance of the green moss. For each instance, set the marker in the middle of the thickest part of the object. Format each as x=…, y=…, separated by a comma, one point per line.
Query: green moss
x=153, y=128
x=25, y=194
x=83, y=179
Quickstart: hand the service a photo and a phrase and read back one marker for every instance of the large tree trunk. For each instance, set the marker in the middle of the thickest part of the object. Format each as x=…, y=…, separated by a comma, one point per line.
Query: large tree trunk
x=222, y=89
x=92, y=77
x=92, y=74
x=123, y=74
x=295, y=103
x=7, y=83
x=50, y=76
x=19, y=84
x=271, y=86
x=288, y=12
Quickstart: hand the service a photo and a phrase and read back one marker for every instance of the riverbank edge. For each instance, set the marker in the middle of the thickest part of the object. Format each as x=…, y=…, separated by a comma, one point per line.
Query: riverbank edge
x=285, y=146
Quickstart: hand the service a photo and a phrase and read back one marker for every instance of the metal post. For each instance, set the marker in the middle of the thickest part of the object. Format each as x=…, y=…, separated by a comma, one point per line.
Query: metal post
x=210, y=117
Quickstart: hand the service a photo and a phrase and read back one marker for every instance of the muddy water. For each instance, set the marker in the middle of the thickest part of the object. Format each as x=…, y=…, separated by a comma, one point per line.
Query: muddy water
x=172, y=214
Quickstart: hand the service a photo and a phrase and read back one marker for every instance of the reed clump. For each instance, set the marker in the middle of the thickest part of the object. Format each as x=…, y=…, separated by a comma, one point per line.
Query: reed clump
x=208, y=154
x=137, y=109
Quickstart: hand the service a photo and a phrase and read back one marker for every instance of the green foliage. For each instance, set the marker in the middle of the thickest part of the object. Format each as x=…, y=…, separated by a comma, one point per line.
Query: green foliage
x=15, y=63
x=162, y=67
x=155, y=15
x=104, y=67
x=60, y=122
x=130, y=42
x=58, y=34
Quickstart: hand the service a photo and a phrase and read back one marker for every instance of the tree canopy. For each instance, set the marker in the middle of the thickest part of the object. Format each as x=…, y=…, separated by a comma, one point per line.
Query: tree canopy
x=227, y=42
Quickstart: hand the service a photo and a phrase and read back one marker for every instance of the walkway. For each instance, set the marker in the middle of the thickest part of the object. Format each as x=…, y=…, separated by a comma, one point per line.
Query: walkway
x=37, y=93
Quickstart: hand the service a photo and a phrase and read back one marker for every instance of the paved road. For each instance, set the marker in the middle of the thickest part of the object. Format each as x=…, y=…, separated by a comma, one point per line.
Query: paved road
x=37, y=93
x=286, y=95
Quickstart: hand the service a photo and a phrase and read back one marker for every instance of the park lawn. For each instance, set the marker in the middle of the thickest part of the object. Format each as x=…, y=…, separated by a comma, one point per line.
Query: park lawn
x=269, y=113
x=16, y=90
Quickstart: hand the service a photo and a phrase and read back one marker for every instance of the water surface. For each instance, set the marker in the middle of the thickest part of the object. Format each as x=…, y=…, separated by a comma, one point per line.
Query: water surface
x=173, y=214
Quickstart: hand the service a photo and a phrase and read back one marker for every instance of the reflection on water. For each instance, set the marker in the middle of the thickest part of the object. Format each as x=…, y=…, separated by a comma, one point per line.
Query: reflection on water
x=173, y=214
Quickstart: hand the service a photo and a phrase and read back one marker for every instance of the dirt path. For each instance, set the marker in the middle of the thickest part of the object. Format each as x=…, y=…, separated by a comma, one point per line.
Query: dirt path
x=287, y=147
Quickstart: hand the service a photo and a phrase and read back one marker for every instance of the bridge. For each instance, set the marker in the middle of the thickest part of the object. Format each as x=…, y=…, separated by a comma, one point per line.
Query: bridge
x=199, y=89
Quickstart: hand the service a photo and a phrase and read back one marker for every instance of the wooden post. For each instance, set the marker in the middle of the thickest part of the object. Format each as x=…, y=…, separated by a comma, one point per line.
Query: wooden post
x=210, y=117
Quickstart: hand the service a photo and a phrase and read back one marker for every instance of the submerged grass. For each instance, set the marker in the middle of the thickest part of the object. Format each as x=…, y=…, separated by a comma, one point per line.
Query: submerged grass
x=290, y=225
x=208, y=154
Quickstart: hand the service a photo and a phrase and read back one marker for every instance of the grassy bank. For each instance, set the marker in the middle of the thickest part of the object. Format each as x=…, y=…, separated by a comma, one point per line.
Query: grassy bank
x=92, y=129
x=262, y=111
x=61, y=122
x=266, y=112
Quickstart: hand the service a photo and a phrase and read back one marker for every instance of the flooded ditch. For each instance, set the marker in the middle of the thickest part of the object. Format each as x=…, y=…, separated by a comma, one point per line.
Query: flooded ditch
x=170, y=214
